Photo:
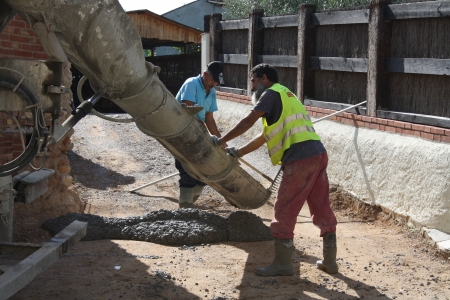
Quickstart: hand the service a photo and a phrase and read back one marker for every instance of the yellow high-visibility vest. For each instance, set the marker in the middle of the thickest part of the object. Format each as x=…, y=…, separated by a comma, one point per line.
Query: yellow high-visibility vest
x=293, y=126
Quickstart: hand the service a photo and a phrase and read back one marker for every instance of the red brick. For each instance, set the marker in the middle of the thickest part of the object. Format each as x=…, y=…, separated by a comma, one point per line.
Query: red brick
x=390, y=129
x=399, y=124
x=437, y=130
x=6, y=138
x=16, y=154
x=35, y=48
x=24, y=31
x=374, y=126
x=21, y=53
x=445, y=138
x=427, y=129
x=447, y=132
x=8, y=44
x=437, y=137
x=17, y=38
x=382, y=121
x=6, y=52
x=8, y=29
x=366, y=119
x=17, y=147
x=418, y=127
x=383, y=127
x=416, y=133
x=408, y=125
x=40, y=55
x=4, y=36
x=16, y=23
x=17, y=140
x=360, y=123
x=6, y=157
x=6, y=144
x=398, y=130
x=426, y=135
x=408, y=132
x=390, y=123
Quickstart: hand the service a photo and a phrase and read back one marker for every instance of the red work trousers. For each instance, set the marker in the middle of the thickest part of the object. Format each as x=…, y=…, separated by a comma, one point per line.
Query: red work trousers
x=303, y=180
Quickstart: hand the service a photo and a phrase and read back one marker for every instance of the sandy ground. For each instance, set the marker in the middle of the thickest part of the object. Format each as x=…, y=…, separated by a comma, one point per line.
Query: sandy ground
x=378, y=258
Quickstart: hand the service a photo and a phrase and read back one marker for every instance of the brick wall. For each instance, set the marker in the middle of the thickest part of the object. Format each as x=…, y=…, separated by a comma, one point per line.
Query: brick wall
x=19, y=40
x=423, y=131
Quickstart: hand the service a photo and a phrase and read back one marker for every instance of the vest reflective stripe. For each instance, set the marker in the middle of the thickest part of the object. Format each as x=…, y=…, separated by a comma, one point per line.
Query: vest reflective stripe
x=289, y=119
x=279, y=146
x=293, y=126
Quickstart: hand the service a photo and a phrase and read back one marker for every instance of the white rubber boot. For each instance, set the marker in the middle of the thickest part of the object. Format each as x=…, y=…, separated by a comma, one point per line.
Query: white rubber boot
x=186, y=197
x=282, y=263
x=328, y=264
x=198, y=189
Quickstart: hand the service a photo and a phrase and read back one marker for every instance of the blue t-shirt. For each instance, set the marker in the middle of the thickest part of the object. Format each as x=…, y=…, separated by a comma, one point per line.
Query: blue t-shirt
x=193, y=90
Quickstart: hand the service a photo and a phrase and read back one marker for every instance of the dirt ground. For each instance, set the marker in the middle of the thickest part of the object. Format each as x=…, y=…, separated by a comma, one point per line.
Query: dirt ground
x=378, y=258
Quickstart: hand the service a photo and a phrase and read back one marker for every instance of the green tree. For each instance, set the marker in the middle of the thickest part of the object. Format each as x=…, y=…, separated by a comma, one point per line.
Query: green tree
x=240, y=9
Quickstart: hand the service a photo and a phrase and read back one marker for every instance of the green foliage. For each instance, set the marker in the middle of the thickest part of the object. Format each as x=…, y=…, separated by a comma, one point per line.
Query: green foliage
x=147, y=52
x=191, y=49
x=240, y=9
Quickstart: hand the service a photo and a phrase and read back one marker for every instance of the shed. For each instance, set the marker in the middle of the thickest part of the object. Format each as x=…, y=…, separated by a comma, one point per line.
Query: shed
x=156, y=31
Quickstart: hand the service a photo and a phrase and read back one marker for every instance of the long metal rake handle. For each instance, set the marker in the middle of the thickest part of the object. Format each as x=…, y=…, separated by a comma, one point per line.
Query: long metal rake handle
x=338, y=112
x=153, y=182
x=255, y=169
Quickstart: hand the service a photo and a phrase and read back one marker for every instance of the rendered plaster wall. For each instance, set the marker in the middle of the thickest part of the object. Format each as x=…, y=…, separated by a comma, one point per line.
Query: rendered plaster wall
x=407, y=175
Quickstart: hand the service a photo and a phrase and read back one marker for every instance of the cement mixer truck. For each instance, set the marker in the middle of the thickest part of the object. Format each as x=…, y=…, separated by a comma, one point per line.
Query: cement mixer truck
x=99, y=39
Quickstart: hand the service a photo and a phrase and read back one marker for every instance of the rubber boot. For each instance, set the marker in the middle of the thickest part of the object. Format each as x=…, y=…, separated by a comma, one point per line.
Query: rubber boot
x=186, y=199
x=282, y=263
x=328, y=263
x=198, y=189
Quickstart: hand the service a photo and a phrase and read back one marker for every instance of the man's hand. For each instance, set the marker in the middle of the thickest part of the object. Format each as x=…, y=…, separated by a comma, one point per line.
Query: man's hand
x=232, y=151
x=218, y=142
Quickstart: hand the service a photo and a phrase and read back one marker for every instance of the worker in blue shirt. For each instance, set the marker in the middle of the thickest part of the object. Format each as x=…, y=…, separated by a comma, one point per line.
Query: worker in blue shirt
x=199, y=91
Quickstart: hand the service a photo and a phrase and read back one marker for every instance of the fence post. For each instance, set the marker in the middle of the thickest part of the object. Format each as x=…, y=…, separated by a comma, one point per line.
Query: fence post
x=215, y=36
x=255, y=43
x=376, y=55
x=306, y=45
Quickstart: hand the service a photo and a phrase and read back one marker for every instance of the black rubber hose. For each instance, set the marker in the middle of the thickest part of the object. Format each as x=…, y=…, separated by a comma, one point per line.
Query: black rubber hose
x=33, y=146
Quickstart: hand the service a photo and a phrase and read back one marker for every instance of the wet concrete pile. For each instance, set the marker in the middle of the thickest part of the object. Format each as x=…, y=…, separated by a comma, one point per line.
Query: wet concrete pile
x=170, y=227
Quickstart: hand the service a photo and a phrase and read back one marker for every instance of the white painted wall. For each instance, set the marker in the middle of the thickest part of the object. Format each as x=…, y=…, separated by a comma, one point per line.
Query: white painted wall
x=408, y=175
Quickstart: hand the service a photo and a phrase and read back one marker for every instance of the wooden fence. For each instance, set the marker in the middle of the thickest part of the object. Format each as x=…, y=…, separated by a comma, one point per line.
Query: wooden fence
x=395, y=56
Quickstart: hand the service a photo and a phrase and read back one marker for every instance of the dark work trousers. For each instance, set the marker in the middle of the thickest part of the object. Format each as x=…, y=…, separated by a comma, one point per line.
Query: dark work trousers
x=303, y=180
x=185, y=179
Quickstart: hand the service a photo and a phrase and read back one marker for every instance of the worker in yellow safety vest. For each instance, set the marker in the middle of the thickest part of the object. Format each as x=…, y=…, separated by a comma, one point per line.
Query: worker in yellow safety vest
x=292, y=143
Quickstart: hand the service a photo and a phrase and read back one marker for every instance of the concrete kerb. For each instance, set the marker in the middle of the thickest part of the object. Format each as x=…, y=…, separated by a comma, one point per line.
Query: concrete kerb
x=440, y=239
x=393, y=202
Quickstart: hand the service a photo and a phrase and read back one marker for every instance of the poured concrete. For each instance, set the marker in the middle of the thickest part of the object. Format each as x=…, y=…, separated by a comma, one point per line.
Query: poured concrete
x=408, y=175
x=170, y=227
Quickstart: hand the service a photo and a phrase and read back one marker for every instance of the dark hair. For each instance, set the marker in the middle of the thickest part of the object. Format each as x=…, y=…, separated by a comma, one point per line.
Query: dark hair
x=267, y=69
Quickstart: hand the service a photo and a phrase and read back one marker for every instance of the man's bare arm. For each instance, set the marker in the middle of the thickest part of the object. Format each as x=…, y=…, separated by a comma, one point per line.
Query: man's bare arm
x=251, y=146
x=245, y=124
x=211, y=124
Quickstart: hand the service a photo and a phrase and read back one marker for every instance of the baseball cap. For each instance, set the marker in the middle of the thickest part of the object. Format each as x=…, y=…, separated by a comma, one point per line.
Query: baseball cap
x=216, y=69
